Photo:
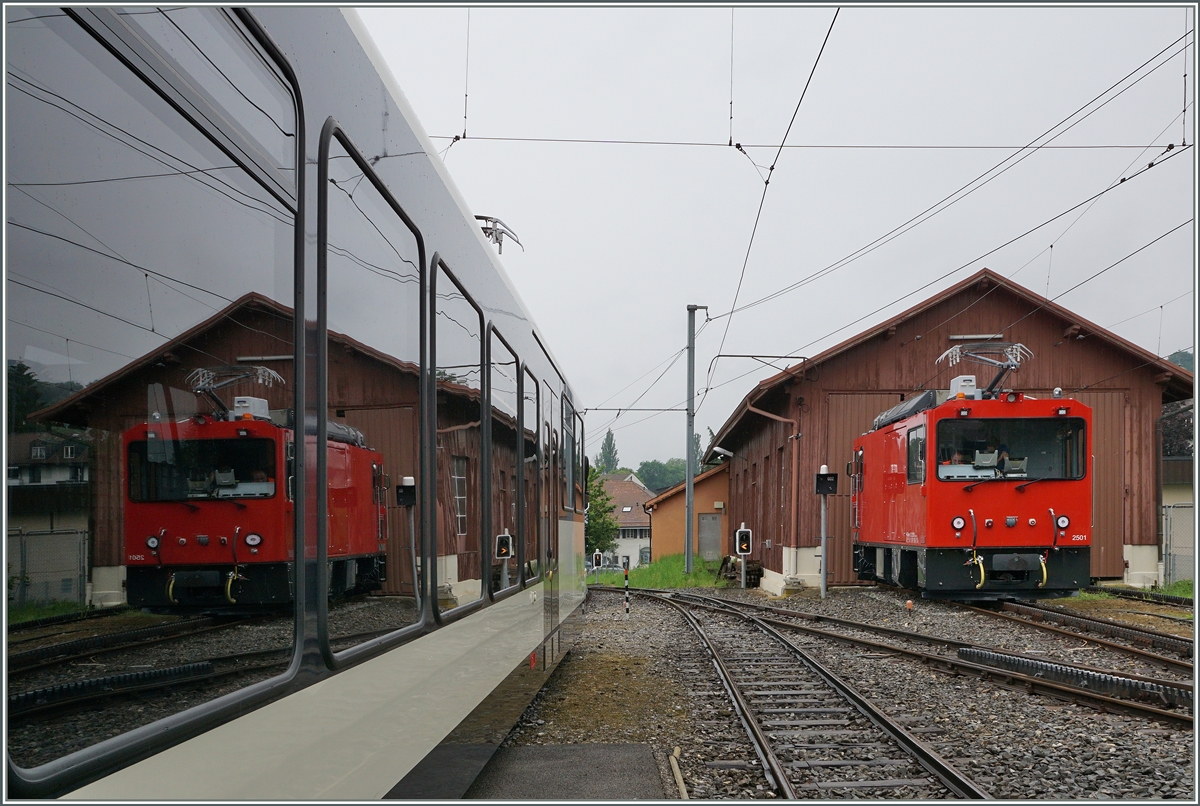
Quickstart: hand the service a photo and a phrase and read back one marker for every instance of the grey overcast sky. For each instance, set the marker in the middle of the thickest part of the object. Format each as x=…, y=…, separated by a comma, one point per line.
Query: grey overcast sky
x=907, y=107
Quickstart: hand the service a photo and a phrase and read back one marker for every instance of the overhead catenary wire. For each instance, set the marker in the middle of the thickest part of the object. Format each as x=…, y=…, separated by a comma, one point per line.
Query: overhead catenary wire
x=766, y=186
x=951, y=199
x=969, y=263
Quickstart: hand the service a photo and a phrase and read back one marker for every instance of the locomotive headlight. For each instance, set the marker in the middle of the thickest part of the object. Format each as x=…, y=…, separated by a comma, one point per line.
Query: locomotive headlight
x=253, y=540
x=1063, y=521
x=1011, y=397
x=958, y=523
x=152, y=542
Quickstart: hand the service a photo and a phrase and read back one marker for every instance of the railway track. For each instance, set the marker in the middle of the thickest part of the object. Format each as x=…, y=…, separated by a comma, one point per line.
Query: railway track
x=1143, y=596
x=813, y=733
x=1054, y=620
x=86, y=693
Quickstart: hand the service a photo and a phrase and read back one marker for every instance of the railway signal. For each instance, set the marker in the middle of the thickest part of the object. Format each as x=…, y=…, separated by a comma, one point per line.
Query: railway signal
x=504, y=546
x=745, y=540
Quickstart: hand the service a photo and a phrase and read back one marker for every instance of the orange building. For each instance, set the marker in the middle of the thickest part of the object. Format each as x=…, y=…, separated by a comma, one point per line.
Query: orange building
x=712, y=536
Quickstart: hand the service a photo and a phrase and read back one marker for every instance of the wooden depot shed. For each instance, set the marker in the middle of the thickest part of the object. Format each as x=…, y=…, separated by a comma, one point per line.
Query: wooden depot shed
x=808, y=415
x=368, y=390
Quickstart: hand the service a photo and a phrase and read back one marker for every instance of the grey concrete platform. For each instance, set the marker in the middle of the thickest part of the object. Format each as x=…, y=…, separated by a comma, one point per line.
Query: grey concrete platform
x=570, y=772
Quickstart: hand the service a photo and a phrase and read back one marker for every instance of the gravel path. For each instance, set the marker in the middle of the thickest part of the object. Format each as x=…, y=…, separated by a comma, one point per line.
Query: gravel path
x=644, y=679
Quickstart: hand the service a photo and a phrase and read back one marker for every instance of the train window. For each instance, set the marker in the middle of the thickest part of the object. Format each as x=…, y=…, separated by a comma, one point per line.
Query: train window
x=458, y=372
x=373, y=357
x=502, y=391
x=244, y=91
x=916, y=455
x=142, y=265
x=1025, y=447
x=569, y=458
x=580, y=492
x=529, y=512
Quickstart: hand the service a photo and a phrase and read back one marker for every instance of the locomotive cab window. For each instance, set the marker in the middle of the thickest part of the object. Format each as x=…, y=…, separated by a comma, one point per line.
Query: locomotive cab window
x=1026, y=448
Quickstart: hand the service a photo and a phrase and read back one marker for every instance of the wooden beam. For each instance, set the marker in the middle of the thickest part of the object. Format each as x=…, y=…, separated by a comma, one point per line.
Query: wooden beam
x=1164, y=377
x=1072, y=331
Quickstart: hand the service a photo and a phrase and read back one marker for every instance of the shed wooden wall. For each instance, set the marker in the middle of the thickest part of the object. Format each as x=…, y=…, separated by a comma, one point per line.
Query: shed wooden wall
x=837, y=399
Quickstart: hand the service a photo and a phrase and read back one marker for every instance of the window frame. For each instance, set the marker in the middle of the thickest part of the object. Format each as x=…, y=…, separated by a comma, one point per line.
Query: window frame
x=915, y=472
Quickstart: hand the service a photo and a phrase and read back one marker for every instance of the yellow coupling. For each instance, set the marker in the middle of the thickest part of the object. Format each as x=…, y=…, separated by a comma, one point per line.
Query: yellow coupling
x=229, y=586
x=171, y=589
x=1044, y=574
x=982, y=574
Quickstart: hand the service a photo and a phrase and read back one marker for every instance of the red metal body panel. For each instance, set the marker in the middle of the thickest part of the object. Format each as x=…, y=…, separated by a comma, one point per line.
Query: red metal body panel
x=895, y=509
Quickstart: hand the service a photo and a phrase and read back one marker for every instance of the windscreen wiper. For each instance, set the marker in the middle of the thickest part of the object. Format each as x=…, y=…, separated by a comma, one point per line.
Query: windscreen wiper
x=967, y=489
x=1021, y=487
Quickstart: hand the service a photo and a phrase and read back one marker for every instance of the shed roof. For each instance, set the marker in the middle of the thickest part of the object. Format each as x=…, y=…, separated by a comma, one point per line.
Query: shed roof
x=1178, y=383
x=681, y=486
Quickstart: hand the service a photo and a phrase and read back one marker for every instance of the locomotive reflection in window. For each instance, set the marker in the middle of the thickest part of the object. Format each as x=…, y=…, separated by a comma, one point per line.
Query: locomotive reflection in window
x=1042, y=448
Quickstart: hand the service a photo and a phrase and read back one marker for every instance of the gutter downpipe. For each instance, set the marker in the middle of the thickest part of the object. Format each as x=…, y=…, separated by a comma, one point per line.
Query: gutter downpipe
x=793, y=438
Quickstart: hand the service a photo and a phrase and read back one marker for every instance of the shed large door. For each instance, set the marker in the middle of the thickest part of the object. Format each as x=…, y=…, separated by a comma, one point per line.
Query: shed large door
x=1109, y=493
x=710, y=537
x=849, y=415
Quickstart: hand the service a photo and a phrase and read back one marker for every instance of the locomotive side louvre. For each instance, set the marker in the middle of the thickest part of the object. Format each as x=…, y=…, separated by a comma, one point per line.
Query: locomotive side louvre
x=937, y=506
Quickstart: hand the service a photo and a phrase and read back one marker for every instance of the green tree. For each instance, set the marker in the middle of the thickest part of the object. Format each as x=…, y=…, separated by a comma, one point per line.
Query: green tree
x=23, y=397
x=1183, y=358
x=600, y=529
x=606, y=460
x=659, y=476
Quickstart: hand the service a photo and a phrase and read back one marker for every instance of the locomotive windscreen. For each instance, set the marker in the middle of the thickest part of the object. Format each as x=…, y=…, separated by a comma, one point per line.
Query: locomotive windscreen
x=1041, y=447
x=176, y=470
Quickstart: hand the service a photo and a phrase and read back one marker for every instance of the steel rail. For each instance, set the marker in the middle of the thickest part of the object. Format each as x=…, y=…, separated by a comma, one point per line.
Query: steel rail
x=952, y=642
x=1106, y=627
x=1174, y=663
x=761, y=745
x=937, y=766
x=1030, y=684
x=1143, y=596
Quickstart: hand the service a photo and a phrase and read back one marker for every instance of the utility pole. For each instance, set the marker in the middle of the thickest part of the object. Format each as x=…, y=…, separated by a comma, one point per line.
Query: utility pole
x=691, y=429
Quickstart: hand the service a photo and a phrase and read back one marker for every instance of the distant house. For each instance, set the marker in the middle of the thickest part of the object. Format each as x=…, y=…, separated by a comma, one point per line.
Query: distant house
x=628, y=495
x=712, y=535
x=48, y=481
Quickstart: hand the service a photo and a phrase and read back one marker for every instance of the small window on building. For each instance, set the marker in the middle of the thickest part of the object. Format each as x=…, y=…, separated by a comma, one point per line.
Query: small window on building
x=35, y=475
x=76, y=473
x=68, y=451
x=458, y=474
x=37, y=452
x=627, y=509
x=14, y=474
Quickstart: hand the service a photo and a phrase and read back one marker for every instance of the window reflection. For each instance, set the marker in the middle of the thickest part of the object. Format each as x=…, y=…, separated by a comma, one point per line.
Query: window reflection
x=531, y=509
x=138, y=254
x=505, y=451
x=458, y=328
x=373, y=303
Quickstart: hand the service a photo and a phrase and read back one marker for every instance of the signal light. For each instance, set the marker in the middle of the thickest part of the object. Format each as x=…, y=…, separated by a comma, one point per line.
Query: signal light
x=597, y=560
x=745, y=541
x=504, y=546
x=253, y=540
x=959, y=522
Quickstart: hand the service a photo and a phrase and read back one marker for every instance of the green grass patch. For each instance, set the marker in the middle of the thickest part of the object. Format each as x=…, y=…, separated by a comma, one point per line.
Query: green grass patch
x=1088, y=596
x=1181, y=587
x=666, y=573
x=36, y=610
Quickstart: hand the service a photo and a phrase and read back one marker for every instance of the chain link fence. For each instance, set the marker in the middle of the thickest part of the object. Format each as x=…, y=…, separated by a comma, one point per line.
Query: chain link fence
x=1179, y=543
x=49, y=566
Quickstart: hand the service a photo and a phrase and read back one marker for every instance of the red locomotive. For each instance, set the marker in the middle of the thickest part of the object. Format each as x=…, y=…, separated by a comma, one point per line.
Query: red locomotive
x=976, y=494
x=210, y=513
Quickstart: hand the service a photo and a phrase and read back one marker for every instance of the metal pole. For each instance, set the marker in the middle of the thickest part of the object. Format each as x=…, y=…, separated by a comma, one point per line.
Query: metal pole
x=824, y=511
x=691, y=428
x=627, y=592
